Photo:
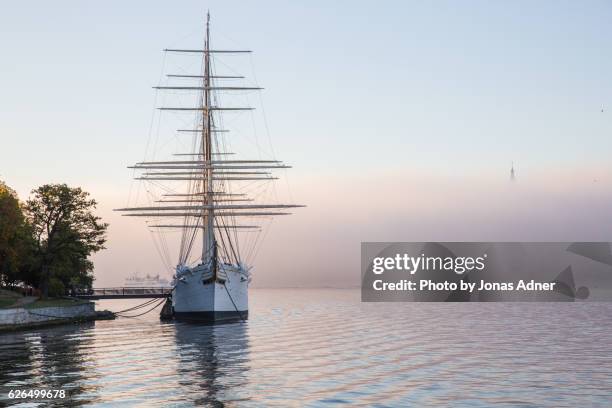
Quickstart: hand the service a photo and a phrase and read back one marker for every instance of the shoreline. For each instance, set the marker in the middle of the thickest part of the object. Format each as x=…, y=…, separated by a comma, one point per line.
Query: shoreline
x=24, y=318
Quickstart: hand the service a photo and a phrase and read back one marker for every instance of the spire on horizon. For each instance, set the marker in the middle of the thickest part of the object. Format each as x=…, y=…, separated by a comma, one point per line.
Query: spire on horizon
x=512, y=174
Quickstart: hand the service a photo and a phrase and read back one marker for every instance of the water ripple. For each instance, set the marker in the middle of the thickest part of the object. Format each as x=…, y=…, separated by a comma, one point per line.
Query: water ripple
x=325, y=348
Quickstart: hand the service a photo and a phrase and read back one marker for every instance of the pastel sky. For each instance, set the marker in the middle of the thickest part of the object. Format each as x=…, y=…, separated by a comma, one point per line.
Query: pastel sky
x=401, y=118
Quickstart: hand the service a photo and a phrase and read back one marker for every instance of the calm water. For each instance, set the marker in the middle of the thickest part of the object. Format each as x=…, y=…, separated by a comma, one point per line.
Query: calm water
x=324, y=347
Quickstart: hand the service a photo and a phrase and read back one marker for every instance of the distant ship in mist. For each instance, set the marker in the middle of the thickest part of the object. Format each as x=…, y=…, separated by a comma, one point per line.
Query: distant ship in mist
x=208, y=193
x=147, y=281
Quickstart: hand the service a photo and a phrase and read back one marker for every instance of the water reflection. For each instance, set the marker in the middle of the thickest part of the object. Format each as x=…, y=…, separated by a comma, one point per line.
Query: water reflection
x=213, y=362
x=49, y=358
x=324, y=347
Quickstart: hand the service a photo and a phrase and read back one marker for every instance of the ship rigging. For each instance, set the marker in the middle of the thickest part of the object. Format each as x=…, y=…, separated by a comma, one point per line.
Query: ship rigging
x=210, y=207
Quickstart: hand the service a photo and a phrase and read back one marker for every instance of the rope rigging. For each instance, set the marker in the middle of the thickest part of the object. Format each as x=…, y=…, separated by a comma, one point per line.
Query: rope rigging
x=211, y=231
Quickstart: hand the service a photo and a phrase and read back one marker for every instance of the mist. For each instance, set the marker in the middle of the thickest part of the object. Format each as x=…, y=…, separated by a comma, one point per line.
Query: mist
x=318, y=246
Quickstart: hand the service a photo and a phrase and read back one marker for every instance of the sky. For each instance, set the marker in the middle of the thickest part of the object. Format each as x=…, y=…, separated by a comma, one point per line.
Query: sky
x=401, y=119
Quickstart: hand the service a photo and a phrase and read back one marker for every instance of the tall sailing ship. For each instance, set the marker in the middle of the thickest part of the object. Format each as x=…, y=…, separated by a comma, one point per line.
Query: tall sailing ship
x=209, y=204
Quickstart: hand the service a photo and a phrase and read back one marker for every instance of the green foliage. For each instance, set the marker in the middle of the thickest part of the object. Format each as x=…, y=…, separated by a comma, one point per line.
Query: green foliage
x=66, y=233
x=47, y=242
x=15, y=238
x=56, y=287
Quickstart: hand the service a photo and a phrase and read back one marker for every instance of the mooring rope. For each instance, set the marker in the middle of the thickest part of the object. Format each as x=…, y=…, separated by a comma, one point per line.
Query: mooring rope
x=162, y=300
x=145, y=304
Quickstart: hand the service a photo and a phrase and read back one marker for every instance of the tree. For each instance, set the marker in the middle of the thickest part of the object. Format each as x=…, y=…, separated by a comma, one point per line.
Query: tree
x=66, y=233
x=15, y=238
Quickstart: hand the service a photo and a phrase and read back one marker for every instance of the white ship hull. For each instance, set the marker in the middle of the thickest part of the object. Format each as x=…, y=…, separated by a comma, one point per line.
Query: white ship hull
x=198, y=297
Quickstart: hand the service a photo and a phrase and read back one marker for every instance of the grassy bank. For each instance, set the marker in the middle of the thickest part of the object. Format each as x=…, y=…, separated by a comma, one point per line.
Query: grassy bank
x=5, y=303
x=54, y=302
x=10, y=299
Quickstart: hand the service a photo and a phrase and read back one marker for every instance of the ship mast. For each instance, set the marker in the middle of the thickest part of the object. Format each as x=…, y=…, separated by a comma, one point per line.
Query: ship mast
x=209, y=203
x=208, y=233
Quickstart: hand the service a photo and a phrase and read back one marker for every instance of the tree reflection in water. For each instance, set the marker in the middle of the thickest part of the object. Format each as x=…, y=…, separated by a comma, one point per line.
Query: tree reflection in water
x=50, y=358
